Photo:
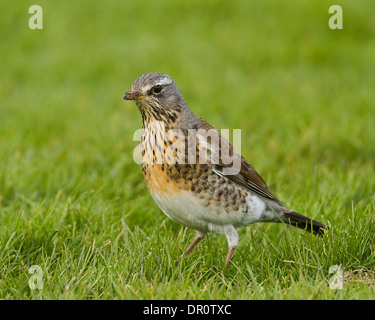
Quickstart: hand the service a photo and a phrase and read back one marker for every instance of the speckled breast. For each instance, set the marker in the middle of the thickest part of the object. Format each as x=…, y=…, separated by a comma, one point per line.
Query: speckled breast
x=167, y=168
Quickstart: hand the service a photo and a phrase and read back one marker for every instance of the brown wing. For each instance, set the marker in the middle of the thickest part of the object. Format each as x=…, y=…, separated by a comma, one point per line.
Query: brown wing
x=247, y=176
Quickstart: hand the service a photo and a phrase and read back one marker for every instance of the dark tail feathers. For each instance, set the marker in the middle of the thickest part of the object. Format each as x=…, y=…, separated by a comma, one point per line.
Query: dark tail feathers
x=302, y=222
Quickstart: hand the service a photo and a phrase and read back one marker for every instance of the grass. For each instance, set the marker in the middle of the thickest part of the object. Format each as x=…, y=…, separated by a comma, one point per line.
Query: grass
x=73, y=201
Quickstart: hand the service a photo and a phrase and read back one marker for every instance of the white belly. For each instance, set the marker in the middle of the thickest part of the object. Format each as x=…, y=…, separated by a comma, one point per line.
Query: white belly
x=185, y=208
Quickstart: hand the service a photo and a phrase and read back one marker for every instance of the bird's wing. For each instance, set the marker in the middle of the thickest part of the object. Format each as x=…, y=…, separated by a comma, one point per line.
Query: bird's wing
x=245, y=175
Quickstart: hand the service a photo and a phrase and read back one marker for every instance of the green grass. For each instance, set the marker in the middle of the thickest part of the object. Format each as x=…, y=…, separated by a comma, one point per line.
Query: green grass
x=73, y=201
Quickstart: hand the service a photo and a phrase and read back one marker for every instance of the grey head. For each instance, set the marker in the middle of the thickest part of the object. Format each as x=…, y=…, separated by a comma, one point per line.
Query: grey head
x=156, y=88
x=157, y=93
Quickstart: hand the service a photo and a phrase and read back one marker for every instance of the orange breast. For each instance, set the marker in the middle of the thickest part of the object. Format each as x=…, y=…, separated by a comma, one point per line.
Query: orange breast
x=159, y=181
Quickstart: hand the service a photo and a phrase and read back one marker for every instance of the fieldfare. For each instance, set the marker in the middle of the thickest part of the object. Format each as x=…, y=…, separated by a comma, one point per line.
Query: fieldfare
x=195, y=175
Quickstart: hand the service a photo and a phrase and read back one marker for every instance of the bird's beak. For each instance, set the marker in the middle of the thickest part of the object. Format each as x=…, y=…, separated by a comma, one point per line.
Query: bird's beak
x=133, y=95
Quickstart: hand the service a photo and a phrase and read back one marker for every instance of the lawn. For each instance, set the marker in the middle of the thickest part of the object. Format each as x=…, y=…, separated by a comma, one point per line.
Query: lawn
x=73, y=201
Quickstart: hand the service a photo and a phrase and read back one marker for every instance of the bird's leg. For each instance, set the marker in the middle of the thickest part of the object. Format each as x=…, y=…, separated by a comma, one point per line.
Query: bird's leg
x=229, y=255
x=191, y=247
x=232, y=238
x=199, y=237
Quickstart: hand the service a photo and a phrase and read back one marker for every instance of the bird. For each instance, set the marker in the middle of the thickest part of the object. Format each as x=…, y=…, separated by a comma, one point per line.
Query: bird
x=190, y=177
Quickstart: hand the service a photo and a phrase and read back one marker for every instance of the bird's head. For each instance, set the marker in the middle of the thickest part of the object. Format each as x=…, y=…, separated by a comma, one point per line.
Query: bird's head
x=156, y=93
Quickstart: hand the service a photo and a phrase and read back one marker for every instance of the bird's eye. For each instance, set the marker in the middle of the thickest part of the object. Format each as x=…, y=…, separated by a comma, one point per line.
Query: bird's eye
x=157, y=89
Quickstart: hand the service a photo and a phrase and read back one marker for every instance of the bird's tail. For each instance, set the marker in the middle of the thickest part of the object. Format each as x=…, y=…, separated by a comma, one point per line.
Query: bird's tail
x=302, y=222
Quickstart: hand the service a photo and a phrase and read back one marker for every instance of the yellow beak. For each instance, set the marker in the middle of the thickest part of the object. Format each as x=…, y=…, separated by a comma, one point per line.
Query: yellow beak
x=133, y=95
